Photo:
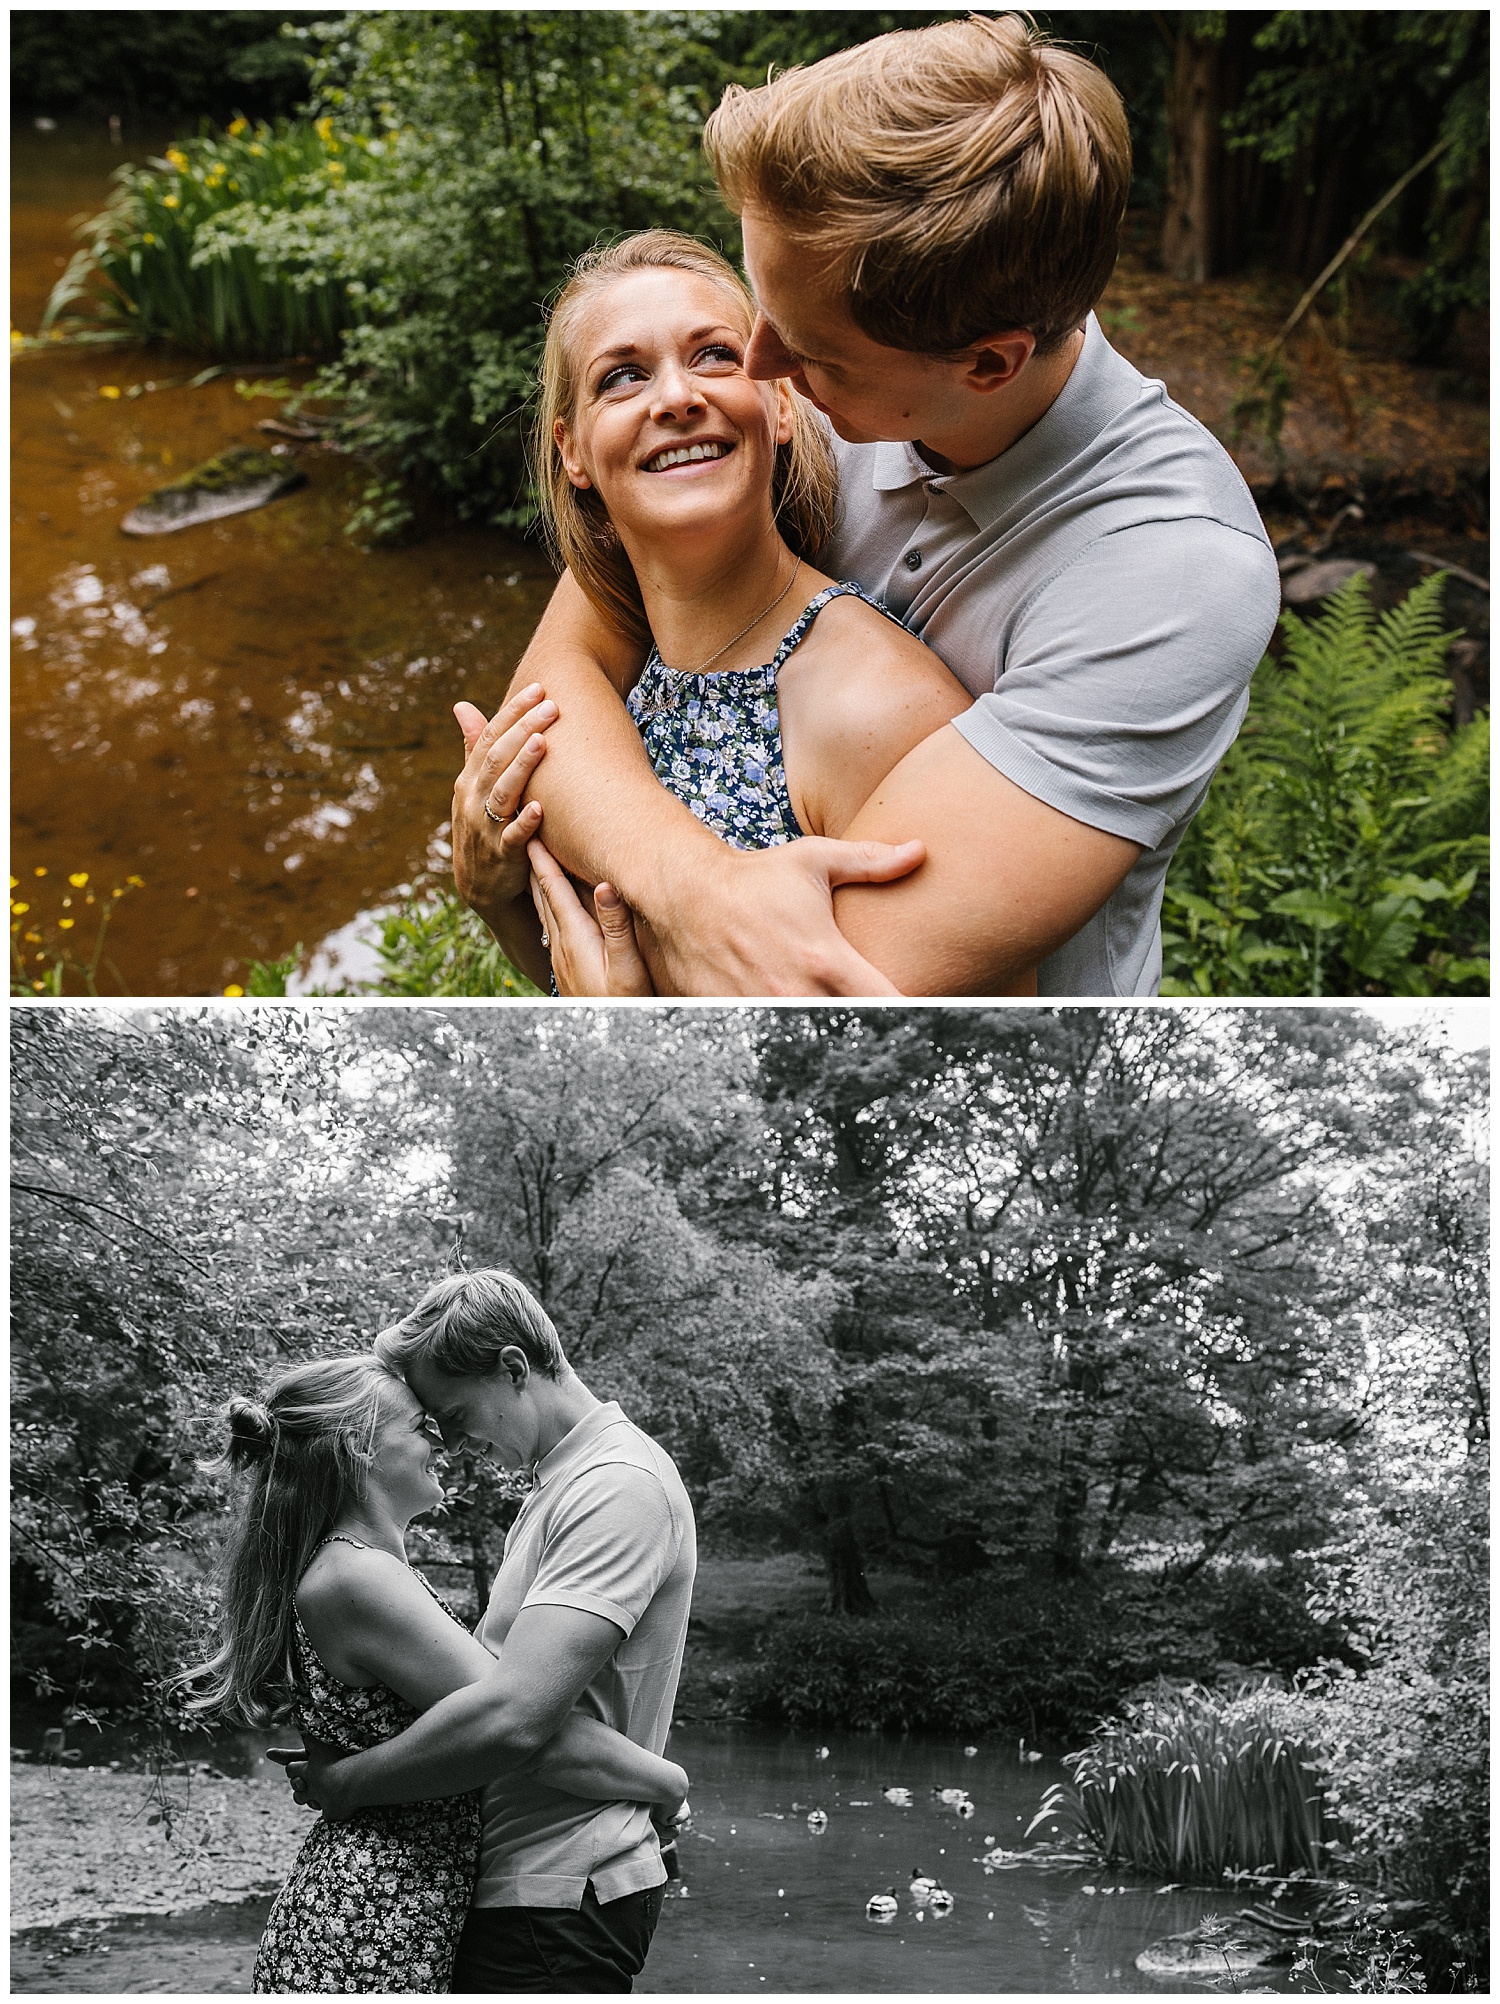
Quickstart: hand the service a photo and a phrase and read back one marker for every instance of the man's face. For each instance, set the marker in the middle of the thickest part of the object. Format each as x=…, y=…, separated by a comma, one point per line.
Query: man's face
x=477, y=1413
x=804, y=330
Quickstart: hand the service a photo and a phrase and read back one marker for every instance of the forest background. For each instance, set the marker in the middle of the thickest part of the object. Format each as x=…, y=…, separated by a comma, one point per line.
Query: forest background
x=1075, y=1349
x=389, y=196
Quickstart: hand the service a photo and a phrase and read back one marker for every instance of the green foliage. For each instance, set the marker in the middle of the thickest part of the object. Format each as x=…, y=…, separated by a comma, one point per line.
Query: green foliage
x=168, y=257
x=508, y=143
x=1194, y=1784
x=1341, y=846
x=154, y=61
x=1382, y=86
x=436, y=946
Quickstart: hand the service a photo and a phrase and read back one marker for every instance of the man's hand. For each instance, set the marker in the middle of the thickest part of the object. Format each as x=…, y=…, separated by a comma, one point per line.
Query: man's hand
x=500, y=756
x=761, y=922
x=312, y=1770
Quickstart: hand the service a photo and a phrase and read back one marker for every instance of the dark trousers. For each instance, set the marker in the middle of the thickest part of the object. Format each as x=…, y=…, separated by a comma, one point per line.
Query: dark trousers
x=551, y=1949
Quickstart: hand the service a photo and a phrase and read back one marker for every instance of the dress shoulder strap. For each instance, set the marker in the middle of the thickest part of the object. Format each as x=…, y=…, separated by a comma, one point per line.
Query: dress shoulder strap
x=803, y=622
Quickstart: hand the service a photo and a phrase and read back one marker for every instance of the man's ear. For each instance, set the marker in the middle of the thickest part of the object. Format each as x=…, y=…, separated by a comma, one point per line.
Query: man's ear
x=999, y=359
x=516, y=1365
x=572, y=464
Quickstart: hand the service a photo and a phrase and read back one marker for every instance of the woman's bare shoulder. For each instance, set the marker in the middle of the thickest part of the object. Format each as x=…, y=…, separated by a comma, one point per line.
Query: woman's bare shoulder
x=343, y=1579
x=856, y=697
x=855, y=643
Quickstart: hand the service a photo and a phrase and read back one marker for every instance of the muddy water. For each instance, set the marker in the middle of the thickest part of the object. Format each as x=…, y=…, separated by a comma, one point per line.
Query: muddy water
x=251, y=716
x=766, y=1905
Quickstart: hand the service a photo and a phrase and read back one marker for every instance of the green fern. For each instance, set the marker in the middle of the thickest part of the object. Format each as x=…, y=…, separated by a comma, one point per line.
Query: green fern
x=1341, y=847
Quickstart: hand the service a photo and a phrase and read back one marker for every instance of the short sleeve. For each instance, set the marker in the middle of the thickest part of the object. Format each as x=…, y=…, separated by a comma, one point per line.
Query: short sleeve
x=1127, y=673
x=611, y=1543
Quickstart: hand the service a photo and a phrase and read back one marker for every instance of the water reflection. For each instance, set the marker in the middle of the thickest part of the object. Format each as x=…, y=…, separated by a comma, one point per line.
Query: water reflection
x=769, y=1903
x=251, y=715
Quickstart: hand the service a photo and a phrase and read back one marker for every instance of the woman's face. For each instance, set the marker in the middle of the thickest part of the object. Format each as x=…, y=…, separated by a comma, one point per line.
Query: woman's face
x=401, y=1472
x=667, y=427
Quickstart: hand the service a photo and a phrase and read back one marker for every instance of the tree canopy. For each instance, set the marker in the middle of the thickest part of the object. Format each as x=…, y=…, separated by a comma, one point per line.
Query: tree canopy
x=984, y=1294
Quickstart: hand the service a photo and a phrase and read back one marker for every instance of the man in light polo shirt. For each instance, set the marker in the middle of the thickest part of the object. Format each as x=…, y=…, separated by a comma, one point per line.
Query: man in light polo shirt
x=590, y=1607
x=929, y=219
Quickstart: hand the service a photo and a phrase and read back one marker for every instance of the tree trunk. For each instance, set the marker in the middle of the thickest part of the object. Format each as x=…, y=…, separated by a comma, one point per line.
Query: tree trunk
x=848, y=1589
x=1190, y=245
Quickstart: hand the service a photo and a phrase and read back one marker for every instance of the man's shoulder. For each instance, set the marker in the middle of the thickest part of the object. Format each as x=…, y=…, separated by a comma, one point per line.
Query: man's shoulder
x=619, y=1455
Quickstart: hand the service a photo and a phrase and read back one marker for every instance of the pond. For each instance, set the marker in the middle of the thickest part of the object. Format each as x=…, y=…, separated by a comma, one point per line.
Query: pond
x=767, y=1904
x=252, y=716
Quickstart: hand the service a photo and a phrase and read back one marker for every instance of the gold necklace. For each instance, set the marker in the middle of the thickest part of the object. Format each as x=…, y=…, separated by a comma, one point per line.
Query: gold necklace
x=702, y=665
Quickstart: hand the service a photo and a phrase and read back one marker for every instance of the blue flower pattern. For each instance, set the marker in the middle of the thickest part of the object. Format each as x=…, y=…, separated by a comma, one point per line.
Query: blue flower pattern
x=715, y=740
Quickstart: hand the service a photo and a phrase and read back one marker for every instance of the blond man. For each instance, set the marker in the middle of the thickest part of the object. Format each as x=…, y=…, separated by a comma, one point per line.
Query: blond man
x=928, y=222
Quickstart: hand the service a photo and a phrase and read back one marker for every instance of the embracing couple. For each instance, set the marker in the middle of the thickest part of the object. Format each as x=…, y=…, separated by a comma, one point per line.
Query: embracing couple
x=903, y=623
x=491, y=1801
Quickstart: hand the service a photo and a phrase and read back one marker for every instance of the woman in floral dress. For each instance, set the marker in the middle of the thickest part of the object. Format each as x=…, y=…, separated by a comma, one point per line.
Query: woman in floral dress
x=322, y=1613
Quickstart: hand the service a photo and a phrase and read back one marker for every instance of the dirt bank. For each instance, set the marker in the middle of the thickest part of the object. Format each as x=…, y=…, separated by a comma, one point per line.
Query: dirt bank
x=84, y=1844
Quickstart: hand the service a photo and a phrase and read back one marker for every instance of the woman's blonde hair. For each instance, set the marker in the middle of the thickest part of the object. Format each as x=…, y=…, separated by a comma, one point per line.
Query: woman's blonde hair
x=954, y=181
x=804, y=491
x=304, y=1452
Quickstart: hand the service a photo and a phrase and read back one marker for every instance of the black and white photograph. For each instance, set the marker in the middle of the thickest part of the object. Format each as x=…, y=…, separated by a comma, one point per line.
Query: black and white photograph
x=748, y=1030
x=946, y=1500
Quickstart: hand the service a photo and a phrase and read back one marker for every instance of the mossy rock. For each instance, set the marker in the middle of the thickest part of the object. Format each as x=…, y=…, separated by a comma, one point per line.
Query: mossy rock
x=230, y=483
x=1193, y=1954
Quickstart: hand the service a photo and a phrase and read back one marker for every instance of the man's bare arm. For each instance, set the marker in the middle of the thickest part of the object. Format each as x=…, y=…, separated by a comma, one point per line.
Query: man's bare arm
x=717, y=921
x=480, y=1732
x=1007, y=879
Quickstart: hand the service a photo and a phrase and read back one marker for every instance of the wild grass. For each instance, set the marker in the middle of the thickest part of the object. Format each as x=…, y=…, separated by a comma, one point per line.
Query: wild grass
x=432, y=945
x=1195, y=1785
x=1342, y=849
x=159, y=262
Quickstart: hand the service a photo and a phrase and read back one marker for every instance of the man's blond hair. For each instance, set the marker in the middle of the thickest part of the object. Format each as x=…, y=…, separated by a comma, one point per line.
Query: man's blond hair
x=956, y=181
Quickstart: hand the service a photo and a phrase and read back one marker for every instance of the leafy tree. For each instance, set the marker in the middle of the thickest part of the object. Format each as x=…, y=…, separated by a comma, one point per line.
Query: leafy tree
x=146, y=62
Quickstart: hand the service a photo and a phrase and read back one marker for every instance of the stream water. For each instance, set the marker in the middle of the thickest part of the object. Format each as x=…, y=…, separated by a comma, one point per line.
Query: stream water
x=767, y=1905
x=252, y=716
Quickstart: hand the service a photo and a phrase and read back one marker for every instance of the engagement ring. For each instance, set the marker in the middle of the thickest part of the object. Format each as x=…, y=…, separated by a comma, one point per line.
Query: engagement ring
x=498, y=819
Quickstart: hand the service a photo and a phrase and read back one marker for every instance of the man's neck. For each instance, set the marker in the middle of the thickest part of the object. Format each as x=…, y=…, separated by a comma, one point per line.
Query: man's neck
x=998, y=420
x=565, y=1402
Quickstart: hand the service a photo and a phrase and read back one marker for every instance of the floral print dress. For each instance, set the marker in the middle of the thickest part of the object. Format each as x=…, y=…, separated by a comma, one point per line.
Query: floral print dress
x=715, y=740
x=374, y=1902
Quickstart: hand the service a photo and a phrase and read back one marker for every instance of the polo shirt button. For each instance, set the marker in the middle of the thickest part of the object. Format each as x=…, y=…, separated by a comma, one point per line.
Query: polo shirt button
x=913, y=560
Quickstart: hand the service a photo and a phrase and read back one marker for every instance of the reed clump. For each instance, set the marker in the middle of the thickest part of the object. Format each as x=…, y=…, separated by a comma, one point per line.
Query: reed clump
x=164, y=259
x=1195, y=1784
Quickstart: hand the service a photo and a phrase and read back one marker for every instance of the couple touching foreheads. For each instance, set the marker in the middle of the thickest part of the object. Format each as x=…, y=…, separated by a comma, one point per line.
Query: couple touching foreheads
x=491, y=1802
x=903, y=622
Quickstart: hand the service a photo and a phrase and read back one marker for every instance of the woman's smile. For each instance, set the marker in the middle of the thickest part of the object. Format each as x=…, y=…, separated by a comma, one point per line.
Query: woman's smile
x=701, y=452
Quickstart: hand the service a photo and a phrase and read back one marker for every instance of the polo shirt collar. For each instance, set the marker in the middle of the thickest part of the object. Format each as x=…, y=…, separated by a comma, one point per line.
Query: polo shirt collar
x=574, y=1445
x=1102, y=384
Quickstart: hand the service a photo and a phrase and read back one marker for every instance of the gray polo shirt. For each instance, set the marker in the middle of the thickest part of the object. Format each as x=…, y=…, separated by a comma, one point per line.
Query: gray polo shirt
x=608, y=1528
x=1105, y=590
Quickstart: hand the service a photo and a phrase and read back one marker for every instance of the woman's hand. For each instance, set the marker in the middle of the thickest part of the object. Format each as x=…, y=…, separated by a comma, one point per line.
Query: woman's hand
x=490, y=826
x=672, y=1807
x=591, y=954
